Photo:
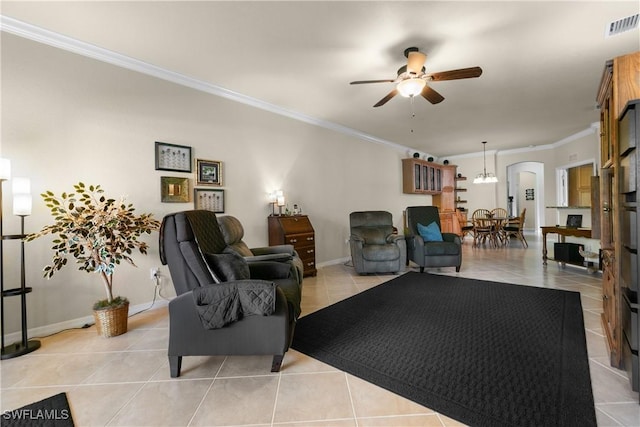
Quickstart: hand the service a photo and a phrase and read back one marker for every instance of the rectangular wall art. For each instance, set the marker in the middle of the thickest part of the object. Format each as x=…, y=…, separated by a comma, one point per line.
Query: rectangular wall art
x=208, y=199
x=172, y=157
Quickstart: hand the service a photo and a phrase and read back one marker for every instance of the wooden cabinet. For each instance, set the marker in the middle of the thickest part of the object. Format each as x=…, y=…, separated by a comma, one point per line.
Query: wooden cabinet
x=620, y=84
x=440, y=181
x=628, y=140
x=447, y=201
x=421, y=177
x=295, y=230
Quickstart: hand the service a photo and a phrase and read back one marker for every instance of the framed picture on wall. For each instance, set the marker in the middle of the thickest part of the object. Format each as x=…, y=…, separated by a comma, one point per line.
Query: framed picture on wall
x=174, y=189
x=172, y=157
x=209, y=199
x=209, y=172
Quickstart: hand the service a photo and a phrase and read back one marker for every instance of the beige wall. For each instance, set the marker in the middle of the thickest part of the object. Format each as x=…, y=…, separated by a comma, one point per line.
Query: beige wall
x=66, y=119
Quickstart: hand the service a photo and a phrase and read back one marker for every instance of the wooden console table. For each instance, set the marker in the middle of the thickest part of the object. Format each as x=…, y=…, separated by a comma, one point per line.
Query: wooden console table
x=562, y=232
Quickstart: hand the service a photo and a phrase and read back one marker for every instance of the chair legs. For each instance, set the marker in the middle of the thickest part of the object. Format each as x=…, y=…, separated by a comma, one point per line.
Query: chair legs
x=520, y=236
x=277, y=362
x=175, y=363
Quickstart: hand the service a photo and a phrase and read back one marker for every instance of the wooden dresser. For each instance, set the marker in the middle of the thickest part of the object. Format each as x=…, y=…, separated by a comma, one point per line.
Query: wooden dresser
x=295, y=230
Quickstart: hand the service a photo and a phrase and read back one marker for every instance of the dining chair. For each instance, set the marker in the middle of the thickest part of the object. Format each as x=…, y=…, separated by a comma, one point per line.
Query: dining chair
x=499, y=224
x=515, y=228
x=482, y=226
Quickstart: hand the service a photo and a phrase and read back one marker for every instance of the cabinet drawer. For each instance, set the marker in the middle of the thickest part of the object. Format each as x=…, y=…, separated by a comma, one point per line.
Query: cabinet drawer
x=629, y=229
x=309, y=264
x=628, y=173
x=630, y=364
x=629, y=269
x=307, y=252
x=629, y=317
x=300, y=240
x=296, y=224
x=628, y=128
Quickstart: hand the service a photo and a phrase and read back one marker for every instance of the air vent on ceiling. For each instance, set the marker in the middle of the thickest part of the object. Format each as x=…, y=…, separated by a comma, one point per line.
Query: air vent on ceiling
x=621, y=25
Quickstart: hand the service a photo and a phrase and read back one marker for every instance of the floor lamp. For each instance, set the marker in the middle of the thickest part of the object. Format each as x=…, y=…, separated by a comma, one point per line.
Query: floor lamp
x=21, y=208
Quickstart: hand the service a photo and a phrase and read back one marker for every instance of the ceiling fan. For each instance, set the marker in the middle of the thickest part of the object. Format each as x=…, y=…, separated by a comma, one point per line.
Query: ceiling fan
x=412, y=79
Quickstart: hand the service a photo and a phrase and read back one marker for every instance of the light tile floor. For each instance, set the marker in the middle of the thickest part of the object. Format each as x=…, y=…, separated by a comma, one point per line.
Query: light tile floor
x=124, y=381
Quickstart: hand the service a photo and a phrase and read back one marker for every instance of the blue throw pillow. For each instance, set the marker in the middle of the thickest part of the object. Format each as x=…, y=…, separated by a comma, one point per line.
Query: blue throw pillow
x=430, y=233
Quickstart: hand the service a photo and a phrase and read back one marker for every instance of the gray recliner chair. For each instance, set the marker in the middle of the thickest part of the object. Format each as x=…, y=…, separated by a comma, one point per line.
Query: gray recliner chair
x=430, y=253
x=224, y=305
x=233, y=232
x=374, y=246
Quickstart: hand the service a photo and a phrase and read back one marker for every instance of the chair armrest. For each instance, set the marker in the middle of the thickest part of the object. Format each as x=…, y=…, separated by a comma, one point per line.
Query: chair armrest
x=269, y=270
x=355, y=238
x=277, y=249
x=278, y=257
x=394, y=238
x=451, y=237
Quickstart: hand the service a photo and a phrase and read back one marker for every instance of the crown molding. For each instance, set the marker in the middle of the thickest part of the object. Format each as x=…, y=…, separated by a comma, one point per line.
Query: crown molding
x=593, y=128
x=69, y=44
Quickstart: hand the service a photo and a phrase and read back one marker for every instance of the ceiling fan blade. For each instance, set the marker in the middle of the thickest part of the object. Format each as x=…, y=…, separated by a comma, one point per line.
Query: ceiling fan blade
x=359, y=82
x=463, y=73
x=384, y=100
x=431, y=95
x=415, y=62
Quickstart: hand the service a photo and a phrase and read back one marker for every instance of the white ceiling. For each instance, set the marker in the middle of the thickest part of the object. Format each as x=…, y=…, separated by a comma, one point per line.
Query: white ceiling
x=542, y=61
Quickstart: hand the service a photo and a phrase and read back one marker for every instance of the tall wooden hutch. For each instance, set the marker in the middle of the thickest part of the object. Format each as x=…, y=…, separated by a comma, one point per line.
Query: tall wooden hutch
x=617, y=98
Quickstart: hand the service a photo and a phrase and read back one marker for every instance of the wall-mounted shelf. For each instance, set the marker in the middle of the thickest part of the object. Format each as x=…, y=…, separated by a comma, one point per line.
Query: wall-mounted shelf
x=460, y=178
x=460, y=189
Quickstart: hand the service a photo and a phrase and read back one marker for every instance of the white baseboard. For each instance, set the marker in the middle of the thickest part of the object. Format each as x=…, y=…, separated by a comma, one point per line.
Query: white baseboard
x=333, y=262
x=43, y=331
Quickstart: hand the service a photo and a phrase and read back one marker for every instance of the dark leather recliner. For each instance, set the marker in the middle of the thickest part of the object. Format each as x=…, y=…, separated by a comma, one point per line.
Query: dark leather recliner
x=374, y=246
x=445, y=253
x=233, y=232
x=193, y=247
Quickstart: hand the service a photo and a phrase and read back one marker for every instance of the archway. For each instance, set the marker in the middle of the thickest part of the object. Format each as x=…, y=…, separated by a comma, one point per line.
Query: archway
x=525, y=188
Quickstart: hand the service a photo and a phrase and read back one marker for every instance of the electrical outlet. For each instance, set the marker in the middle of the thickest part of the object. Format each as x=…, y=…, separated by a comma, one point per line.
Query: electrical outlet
x=154, y=272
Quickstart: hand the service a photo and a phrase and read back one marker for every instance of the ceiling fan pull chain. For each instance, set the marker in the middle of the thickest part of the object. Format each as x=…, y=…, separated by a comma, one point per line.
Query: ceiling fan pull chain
x=413, y=112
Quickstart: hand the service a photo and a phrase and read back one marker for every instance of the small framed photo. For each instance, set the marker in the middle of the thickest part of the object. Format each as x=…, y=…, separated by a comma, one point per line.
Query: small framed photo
x=209, y=172
x=172, y=157
x=174, y=190
x=209, y=199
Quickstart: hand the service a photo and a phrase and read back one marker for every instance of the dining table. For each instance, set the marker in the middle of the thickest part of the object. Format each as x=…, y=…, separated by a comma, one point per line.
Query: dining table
x=495, y=225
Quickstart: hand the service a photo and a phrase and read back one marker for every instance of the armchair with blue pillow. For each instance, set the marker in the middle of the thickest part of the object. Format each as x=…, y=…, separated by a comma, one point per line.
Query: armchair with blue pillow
x=427, y=246
x=225, y=305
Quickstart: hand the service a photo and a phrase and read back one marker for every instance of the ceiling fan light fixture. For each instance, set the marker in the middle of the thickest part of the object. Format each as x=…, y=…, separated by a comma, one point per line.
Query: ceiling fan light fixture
x=484, y=177
x=411, y=87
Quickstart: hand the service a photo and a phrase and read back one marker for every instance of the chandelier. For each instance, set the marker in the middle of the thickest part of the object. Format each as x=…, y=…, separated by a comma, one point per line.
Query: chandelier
x=484, y=177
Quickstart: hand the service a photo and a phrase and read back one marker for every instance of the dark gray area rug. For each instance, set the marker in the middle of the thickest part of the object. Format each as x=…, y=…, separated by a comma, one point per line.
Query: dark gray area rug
x=484, y=353
x=53, y=411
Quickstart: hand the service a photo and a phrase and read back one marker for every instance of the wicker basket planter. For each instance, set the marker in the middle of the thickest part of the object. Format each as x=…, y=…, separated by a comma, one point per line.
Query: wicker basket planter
x=111, y=321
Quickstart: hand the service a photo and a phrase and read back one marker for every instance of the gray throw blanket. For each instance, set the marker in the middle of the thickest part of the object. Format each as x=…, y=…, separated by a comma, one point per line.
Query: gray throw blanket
x=224, y=303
